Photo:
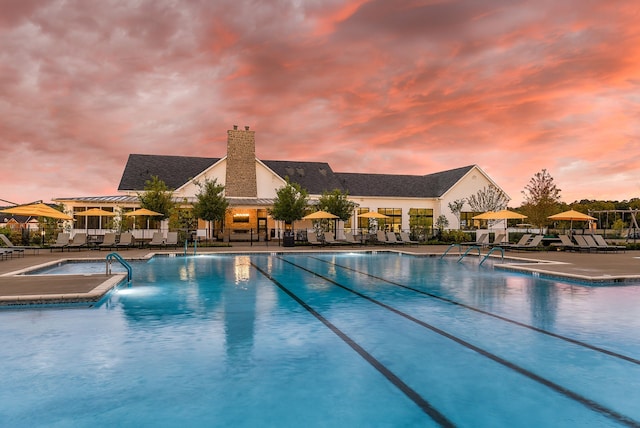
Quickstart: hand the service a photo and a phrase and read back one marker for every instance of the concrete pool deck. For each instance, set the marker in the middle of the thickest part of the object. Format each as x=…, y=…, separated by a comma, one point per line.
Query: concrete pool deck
x=18, y=289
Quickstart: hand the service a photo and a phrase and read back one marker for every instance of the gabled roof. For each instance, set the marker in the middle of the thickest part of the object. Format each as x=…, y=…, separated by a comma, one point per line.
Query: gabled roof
x=173, y=170
x=409, y=186
x=315, y=177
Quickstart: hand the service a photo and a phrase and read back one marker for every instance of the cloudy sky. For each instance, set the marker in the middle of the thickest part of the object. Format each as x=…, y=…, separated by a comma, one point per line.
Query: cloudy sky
x=388, y=86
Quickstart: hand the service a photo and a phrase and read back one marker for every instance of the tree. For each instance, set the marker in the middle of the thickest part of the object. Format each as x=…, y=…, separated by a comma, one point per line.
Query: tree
x=337, y=203
x=157, y=197
x=210, y=205
x=456, y=208
x=290, y=203
x=541, y=198
x=489, y=198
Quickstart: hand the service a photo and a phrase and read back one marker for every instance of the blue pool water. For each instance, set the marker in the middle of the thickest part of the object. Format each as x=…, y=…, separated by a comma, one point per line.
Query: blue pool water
x=327, y=340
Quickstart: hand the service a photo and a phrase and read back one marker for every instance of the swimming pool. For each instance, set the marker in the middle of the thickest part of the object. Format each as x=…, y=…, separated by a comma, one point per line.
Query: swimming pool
x=327, y=340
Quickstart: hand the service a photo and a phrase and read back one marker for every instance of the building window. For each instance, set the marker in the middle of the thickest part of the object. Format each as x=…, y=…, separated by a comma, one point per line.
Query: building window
x=467, y=221
x=420, y=222
x=363, y=223
x=394, y=222
x=241, y=218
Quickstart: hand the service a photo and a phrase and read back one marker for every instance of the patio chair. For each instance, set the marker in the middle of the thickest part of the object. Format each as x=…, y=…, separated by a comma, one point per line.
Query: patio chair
x=381, y=238
x=392, y=239
x=61, y=241
x=109, y=241
x=351, y=240
x=583, y=244
x=157, y=240
x=18, y=248
x=79, y=241
x=482, y=239
x=523, y=240
x=313, y=240
x=172, y=240
x=531, y=245
x=406, y=239
x=599, y=239
x=566, y=243
x=126, y=240
x=5, y=253
x=499, y=239
x=329, y=239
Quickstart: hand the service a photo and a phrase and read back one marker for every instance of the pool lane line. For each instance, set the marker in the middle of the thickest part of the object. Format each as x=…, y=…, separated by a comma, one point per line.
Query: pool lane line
x=414, y=396
x=500, y=317
x=591, y=404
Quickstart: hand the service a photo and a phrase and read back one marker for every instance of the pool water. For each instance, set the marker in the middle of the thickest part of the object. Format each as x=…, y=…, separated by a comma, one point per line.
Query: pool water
x=327, y=340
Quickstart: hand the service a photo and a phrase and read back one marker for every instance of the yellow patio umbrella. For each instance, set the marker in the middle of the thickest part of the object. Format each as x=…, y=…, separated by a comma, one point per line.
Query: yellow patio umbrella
x=142, y=212
x=320, y=215
x=37, y=210
x=95, y=212
x=570, y=216
x=499, y=215
x=372, y=214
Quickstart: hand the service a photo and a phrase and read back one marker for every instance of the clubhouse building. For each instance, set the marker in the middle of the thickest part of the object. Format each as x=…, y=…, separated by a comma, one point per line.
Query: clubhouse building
x=251, y=184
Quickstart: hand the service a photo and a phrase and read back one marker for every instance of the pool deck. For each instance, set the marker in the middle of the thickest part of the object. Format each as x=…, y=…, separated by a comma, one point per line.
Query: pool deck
x=18, y=289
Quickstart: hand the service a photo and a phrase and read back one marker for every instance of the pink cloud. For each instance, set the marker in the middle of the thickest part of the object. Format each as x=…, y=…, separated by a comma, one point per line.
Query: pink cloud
x=369, y=86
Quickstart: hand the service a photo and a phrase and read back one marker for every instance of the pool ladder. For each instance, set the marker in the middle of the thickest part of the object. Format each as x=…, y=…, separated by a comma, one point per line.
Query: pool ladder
x=471, y=248
x=195, y=246
x=122, y=261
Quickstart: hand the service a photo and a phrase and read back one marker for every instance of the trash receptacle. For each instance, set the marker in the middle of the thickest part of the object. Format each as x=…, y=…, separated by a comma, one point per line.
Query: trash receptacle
x=288, y=239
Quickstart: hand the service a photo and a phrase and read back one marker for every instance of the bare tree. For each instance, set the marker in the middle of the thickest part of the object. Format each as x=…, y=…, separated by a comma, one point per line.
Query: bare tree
x=489, y=198
x=456, y=208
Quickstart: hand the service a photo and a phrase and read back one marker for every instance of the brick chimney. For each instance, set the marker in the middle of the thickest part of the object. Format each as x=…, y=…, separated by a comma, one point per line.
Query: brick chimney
x=241, y=178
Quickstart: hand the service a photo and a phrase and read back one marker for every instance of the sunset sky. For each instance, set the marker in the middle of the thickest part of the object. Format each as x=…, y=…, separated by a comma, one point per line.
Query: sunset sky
x=393, y=86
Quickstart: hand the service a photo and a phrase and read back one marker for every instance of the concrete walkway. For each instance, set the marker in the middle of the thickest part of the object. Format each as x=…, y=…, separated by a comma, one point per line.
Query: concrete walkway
x=18, y=289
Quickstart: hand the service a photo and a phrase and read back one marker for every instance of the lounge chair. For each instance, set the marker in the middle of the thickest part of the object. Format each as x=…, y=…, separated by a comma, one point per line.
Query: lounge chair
x=18, y=248
x=392, y=239
x=566, y=243
x=351, y=240
x=79, y=241
x=405, y=239
x=61, y=241
x=329, y=240
x=602, y=244
x=157, y=240
x=312, y=239
x=172, y=240
x=583, y=244
x=5, y=253
x=109, y=241
x=499, y=239
x=482, y=239
x=523, y=240
x=126, y=240
x=381, y=238
x=531, y=245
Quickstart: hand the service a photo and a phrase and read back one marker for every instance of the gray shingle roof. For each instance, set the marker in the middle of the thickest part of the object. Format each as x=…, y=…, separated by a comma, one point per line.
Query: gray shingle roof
x=315, y=177
x=410, y=186
x=173, y=170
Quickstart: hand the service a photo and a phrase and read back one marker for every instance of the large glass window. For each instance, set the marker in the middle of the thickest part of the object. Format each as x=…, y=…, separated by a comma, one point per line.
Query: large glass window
x=467, y=221
x=394, y=222
x=420, y=223
x=363, y=223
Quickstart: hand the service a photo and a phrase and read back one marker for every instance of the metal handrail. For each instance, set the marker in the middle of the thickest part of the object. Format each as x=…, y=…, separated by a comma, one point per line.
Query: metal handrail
x=122, y=261
x=491, y=251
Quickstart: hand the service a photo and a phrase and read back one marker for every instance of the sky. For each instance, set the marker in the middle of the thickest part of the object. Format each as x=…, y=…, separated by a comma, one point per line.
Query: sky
x=380, y=86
